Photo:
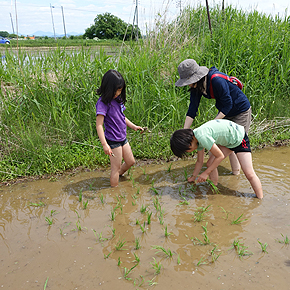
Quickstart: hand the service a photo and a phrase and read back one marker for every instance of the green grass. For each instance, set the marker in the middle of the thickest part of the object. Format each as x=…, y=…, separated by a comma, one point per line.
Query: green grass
x=48, y=100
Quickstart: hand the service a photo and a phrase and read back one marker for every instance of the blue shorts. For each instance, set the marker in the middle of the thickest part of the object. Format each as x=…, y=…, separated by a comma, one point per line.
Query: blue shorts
x=244, y=146
x=116, y=144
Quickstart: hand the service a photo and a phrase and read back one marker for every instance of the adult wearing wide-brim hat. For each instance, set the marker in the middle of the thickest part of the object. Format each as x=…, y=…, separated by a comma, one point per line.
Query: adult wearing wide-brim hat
x=230, y=101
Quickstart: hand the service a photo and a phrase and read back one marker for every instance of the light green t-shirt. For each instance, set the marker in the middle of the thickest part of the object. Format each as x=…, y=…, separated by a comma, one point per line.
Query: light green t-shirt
x=221, y=132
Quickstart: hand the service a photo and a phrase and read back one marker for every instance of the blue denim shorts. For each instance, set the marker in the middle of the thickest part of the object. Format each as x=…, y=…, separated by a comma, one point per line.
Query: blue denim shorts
x=116, y=144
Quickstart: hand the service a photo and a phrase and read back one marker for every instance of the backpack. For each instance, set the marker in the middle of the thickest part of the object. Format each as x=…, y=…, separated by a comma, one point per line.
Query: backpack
x=233, y=80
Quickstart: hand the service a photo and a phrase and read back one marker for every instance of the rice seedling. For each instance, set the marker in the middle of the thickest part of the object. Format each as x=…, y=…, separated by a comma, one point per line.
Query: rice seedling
x=143, y=208
x=200, y=213
x=169, y=167
x=143, y=228
x=137, y=244
x=120, y=244
x=113, y=214
x=149, y=218
x=178, y=260
x=108, y=255
x=53, y=212
x=128, y=271
x=184, y=202
x=102, y=198
x=137, y=259
x=156, y=266
x=226, y=212
x=155, y=191
x=77, y=214
x=49, y=220
x=99, y=236
x=285, y=240
x=138, y=191
x=213, y=254
x=161, y=216
x=81, y=195
x=238, y=220
x=202, y=261
x=213, y=187
x=137, y=222
x=119, y=261
x=161, y=249
x=91, y=186
x=185, y=173
x=156, y=203
x=241, y=249
x=193, y=187
x=167, y=234
x=263, y=247
x=85, y=204
x=45, y=284
x=133, y=203
x=61, y=230
x=206, y=240
x=113, y=232
x=78, y=224
x=151, y=282
x=40, y=204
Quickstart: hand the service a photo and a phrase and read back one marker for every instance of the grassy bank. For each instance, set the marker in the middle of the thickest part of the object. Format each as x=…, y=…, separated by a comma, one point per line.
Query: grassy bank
x=48, y=101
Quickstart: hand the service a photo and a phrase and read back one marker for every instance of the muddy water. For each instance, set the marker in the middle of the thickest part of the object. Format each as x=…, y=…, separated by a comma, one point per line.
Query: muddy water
x=82, y=247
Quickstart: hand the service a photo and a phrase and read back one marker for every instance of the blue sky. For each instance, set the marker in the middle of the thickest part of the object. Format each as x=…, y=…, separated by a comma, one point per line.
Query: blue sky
x=35, y=15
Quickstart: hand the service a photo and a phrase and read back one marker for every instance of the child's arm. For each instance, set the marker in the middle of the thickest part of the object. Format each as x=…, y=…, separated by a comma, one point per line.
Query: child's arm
x=133, y=126
x=218, y=157
x=101, y=134
x=198, y=166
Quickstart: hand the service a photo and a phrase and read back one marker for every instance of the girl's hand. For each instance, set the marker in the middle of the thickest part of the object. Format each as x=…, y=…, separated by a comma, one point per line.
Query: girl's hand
x=202, y=178
x=107, y=149
x=139, y=128
x=191, y=178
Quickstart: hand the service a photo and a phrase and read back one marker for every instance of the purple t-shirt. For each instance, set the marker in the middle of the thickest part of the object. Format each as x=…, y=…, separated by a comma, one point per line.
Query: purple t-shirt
x=114, y=119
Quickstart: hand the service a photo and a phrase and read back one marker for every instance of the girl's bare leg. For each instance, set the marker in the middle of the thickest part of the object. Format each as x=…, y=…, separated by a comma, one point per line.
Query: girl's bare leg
x=234, y=163
x=116, y=162
x=245, y=159
x=128, y=158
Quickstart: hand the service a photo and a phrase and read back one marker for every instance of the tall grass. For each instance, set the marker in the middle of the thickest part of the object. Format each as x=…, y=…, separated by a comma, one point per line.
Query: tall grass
x=48, y=99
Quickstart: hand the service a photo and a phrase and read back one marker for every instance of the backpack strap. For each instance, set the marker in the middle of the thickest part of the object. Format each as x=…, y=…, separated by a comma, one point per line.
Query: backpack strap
x=217, y=75
x=233, y=80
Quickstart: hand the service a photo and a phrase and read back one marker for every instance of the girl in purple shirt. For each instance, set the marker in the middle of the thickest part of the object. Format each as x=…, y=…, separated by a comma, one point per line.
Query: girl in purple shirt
x=110, y=113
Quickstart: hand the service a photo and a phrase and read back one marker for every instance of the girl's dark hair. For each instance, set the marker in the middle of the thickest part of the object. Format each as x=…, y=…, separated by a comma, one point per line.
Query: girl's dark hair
x=200, y=86
x=180, y=141
x=111, y=82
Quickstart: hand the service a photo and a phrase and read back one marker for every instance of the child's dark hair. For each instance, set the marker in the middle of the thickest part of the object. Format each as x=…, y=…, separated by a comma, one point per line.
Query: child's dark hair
x=180, y=141
x=199, y=86
x=111, y=82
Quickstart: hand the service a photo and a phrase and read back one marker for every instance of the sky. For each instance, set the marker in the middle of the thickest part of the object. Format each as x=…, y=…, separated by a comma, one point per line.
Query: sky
x=75, y=16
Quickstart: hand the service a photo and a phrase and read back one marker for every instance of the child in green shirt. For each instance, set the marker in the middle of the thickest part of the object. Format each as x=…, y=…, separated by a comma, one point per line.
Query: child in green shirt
x=221, y=137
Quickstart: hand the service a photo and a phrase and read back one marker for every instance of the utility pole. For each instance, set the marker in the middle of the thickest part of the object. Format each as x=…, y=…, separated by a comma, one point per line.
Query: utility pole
x=63, y=22
x=178, y=4
x=135, y=17
x=52, y=21
x=12, y=23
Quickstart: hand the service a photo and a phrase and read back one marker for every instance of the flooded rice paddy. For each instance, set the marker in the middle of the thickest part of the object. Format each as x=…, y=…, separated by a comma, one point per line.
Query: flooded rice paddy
x=154, y=231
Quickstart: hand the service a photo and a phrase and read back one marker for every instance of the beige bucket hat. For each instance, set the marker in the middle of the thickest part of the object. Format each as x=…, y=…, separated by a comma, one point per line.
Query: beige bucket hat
x=190, y=72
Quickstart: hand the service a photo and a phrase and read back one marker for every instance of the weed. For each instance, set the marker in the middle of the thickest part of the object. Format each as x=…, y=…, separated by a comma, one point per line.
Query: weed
x=184, y=202
x=45, y=284
x=128, y=271
x=185, y=174
x=99, y=237
x=169, y=167
x=178, y=260
x=213, y=254
x=156, y=266
x=226, y=212
x=202, y=261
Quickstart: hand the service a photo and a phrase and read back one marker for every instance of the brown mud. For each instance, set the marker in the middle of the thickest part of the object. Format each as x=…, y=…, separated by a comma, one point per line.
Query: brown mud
x=67, y=232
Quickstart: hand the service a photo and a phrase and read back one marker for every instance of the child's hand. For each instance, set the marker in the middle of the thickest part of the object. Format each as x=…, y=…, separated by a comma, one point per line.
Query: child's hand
x=202, y=178
x=191, y=178
x=107, y=149
x=139, y=128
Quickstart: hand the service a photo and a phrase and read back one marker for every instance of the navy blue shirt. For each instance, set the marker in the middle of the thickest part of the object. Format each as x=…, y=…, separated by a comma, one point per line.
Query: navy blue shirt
x=230, y=100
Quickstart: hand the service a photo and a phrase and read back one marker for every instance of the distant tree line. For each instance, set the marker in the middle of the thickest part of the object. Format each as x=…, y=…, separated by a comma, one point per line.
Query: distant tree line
x=108, y=26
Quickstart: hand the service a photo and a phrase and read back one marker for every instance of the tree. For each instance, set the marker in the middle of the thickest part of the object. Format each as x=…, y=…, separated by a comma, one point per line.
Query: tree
x=108, y=26
x=4, y=33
